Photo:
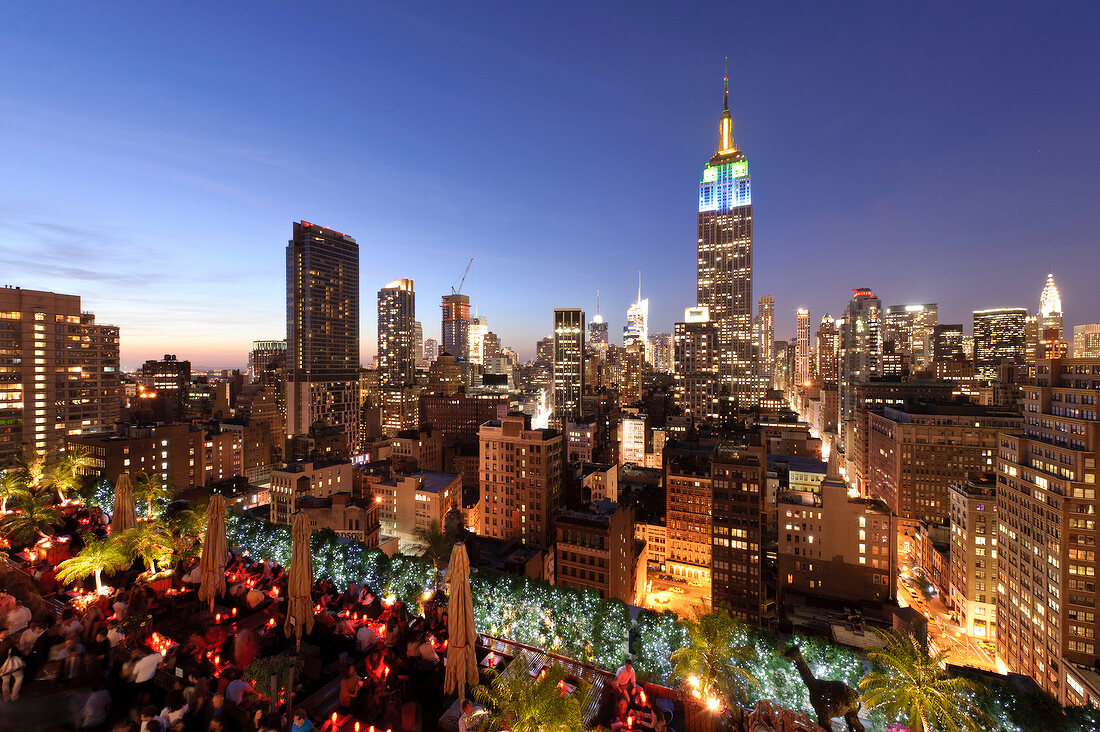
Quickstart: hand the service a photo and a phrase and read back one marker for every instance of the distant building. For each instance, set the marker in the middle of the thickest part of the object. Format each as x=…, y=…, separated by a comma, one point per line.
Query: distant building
x=947, y=343
x=802, y=344
x=458, y=416
x=596, y=549
x=521, y=474
x=695, y=365
x=998, y=337
x=187, y=456
x=689, y=498
x=456, y=324
x=738, y=482
x=431, y=351
x=322, y=280
x=910, y=328
x=1086, y=341
x=825, y=354
x=419, y=449
x=860, y=355
x=724, y=263
x=306, y=480
x=917, y=452
x=568, y=364
x=765, y=339
x=974, y=554
x=836, y=550
x=415, y=501
x=348, y=516
x=265, y=356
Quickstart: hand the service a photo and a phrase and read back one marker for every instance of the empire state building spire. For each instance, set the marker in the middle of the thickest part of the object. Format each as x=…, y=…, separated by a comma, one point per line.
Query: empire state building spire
x=726, y=134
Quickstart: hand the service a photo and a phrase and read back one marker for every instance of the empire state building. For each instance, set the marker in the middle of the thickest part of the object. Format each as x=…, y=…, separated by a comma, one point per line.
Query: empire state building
x=724, y=276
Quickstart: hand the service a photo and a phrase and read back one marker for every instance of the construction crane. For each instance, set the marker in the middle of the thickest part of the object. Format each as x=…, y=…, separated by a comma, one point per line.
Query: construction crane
x=462, y=281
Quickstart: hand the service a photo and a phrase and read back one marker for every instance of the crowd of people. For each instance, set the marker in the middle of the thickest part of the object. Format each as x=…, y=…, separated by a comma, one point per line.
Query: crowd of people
x=155, y=660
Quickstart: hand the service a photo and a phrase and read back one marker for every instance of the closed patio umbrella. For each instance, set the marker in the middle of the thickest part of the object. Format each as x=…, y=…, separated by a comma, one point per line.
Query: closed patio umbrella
x=299, y=613
x=461, y=659
x=124, y=516
x=214, y=551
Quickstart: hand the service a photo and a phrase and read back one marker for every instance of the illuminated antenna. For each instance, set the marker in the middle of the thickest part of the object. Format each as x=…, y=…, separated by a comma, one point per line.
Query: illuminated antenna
x=726, y=85
x=597, y=301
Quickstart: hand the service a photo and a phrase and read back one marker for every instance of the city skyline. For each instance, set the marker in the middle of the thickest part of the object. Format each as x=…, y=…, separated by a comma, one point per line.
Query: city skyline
x=145, y=194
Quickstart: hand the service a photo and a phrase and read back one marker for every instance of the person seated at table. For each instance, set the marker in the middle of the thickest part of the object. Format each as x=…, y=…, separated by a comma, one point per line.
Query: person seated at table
x=429, y=657
x=625, y=680
x=349, y=688
x=372, y=606
x=393, y=634
x=365, y=637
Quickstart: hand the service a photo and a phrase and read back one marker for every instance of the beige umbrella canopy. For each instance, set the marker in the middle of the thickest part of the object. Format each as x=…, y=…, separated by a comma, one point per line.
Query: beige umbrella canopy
x=461, y=659
x=123, y=517
x=299, y=613
x=214, y=551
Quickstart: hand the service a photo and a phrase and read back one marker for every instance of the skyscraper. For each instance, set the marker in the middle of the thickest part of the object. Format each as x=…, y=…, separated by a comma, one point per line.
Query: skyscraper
x=597, y=331
x=1086, y=341
x=475, y=349
x=825, y=355
x=860, y=357
x=695, y=356
x=910, y=327
x=636, y=329
x=802, y=343
x=397, y=333
x=265, y=356
x=724, y=264
x=58, y=372
x=431, y=350
x=322, y=273
x=456, y=324
x=765, y=339
x=568, y=364
x=418, y=346
x=998, y=338
x=1050, y=309
x=1046, y=540
x=1051, y=338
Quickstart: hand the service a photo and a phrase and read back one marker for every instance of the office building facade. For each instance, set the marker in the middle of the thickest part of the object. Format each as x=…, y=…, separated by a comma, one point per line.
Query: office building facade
x=724, y=263
x=456, y=324
x=802, y=344
x=322, y=270
x=999, y=337
x=1046, y=541
x=568, y=368
x=58, y=373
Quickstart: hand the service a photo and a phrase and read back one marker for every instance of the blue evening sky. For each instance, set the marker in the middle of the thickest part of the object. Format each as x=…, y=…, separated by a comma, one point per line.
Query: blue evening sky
x=155, y=155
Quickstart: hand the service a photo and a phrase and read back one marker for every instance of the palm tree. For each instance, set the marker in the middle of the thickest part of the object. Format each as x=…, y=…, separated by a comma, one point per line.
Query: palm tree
x=716, y=658
x=435, y=546
x=34, y=515
x=188, y=526
x=96, y=556
x=12, y=485
x=64, y=473
x=513, y=702
x=910, y=685
x=151, y=540
x=152, y=488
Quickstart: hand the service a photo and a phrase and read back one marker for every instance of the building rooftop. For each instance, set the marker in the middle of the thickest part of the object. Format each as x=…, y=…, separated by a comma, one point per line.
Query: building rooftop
x=430, y=480
x=798, y=462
